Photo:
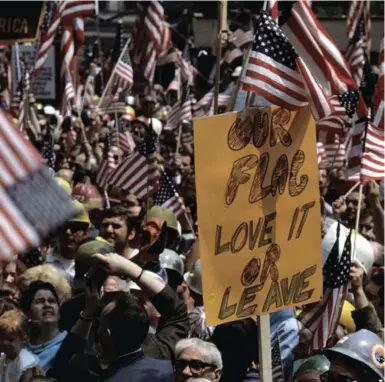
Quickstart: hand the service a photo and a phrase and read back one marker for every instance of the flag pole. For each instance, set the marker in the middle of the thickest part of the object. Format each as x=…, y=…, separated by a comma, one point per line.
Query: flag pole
x=117, y=128
x=99, y=43
x=222, y=19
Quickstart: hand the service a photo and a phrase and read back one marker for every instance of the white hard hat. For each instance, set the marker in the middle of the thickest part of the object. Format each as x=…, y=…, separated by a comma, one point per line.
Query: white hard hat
x=193, y=278
x=134, y=286
x=362, y=251
x=237, y=71
x=171, y=260
x=156, y=125
x=49, y=110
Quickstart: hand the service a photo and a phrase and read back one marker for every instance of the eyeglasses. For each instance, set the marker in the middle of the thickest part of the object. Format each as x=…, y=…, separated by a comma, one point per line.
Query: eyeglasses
x=332, y=377
x=194, y=365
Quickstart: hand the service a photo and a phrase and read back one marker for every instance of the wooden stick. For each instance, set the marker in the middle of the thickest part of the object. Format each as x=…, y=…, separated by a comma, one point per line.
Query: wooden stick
x=357, y=222
x=351, y=190
x=99, y=43
x=264, y=348
x=107, y=199
x=178, y=139
x=189, y=222
x=117, y=128
x=221, y=9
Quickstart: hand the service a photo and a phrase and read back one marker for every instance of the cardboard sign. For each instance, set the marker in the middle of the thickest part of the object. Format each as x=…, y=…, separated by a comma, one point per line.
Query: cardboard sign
x=20, y=21
x=258, y=212
x=43, y=86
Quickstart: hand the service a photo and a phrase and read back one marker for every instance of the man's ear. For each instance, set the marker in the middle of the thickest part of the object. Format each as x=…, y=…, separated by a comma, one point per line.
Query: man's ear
x=218, y=375
x=132, y=234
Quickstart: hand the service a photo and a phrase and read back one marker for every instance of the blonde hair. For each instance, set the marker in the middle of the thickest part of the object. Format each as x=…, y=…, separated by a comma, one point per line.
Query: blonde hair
x=14, y=322
x=49, y=274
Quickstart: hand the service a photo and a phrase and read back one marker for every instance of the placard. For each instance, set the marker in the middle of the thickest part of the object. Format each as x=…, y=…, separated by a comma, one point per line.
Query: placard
x=258, y=212
x=43, y=86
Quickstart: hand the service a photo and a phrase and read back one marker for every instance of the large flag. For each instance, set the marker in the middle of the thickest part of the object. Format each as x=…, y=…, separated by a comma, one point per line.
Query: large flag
x=378, y=97
x=168, y=197
x=317, y=49
x=32, y=204
x=322, y=318
x=276, y=72
x=49, y=36
x=139, y=172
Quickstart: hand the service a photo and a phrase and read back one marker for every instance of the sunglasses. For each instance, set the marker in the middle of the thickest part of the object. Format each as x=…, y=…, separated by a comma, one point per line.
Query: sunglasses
x=332, y=377
x=194, y=365
x=73, y=227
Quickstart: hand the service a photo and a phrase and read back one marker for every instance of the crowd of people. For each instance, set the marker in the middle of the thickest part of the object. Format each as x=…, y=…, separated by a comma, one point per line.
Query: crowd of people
x=115, y=294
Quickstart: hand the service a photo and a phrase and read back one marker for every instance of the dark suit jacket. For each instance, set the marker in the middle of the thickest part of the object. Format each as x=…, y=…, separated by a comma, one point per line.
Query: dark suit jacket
x=138, y=368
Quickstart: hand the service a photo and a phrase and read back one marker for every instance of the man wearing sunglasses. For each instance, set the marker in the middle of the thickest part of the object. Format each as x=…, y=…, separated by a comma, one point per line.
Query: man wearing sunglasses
x=357, y=357
x=69, y=236
x=197, y=359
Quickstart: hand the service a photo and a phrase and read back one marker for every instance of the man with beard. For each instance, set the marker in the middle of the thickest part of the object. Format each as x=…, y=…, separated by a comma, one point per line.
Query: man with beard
x=119, y=228
x=68, y=239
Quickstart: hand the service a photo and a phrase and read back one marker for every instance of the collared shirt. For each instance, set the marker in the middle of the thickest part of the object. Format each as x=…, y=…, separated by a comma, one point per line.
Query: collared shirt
x=66, y=266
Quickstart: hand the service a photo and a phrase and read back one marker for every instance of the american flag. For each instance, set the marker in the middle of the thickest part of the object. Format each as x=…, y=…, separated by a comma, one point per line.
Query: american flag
x=187, y=71
x=48, y=37
x=355, y=52
x=25, y=221
x=322, y=318
x=123, y=139
x=168, y=197
x=80, y=37
x=123, y=74
x=359, y=12
x=204, y=105
x=373, y=159
x=139, y=171
x=354, y=147
x=276, y=72
x=110, y=104
x=107, y=164
x=335, y=150
x=181, y=111
x=171, y=57
x=67, y=51
x=345, y=106
x=48, y=154
x=150, y=37
x=317, y=49
x=83, y=8
x=276, y=360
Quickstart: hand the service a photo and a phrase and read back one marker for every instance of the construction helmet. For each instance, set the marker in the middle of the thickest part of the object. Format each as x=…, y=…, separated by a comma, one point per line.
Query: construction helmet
x=165, y=214
x=317, y=363
x=131, y=111
x=171, y=260
x=193, y=278
x=83, y=216
x=346, y=319
x=362, y=251
x=64, y=185
x=364, y=347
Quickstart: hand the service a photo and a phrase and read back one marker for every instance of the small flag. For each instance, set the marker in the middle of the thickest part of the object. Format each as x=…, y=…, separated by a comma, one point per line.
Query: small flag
x=48, y=152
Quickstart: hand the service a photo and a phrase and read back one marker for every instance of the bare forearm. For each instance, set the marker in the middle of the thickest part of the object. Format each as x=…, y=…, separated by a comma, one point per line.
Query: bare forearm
x=360, y=299
x=378, y=219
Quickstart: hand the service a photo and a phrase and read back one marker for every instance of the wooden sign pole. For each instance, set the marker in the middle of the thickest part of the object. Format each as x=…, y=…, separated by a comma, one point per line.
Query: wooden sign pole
x=222, y=22
x=264, y=348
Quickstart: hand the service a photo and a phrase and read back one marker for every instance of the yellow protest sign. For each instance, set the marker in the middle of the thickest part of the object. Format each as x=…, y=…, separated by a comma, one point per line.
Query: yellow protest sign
x=258, y=212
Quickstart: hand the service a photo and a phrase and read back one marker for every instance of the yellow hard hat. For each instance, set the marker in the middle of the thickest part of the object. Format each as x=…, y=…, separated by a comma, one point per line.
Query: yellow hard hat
x=65, y=185
x=95, y=98
x=130, y=110
x=14, y=120
x=346, y=319
x=83, y=216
